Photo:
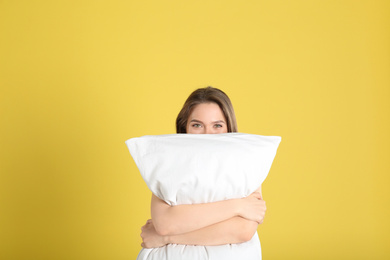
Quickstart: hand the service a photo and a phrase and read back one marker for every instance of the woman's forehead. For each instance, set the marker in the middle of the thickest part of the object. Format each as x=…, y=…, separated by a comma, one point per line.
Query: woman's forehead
x=208, y=112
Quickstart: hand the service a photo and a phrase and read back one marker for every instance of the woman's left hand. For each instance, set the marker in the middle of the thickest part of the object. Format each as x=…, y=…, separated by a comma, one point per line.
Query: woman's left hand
x=150, y=238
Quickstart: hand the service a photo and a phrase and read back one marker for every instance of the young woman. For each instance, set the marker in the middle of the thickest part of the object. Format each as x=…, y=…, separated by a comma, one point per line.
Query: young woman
x=206, y=111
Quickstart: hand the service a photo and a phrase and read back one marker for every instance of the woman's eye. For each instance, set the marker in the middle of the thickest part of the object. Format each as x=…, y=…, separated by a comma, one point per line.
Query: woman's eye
x=196, y=125
x=217, y=126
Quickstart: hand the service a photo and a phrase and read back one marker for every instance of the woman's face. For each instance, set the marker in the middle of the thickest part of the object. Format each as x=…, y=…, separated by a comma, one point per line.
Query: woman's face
x=206, y=118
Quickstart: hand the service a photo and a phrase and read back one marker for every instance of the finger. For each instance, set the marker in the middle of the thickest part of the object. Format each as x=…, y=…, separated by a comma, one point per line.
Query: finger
x=148, y=221
x=262, y=220
x=257, y=195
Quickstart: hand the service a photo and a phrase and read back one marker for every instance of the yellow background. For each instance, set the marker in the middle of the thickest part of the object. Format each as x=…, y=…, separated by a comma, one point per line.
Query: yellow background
x=78, y=78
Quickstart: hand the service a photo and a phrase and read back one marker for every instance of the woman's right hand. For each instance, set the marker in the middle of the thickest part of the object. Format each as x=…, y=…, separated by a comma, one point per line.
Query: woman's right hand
x=150, y=238
x=253, y=207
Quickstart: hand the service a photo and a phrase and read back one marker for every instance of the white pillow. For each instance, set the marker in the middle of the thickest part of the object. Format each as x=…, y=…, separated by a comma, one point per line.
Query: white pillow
x=201, y=168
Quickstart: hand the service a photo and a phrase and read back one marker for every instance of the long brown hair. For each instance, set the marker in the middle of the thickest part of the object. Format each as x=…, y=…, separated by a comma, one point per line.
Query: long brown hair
x=207, y=95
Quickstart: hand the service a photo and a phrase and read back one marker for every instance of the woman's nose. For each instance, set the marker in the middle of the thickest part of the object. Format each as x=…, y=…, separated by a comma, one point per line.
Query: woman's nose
x=208, y=130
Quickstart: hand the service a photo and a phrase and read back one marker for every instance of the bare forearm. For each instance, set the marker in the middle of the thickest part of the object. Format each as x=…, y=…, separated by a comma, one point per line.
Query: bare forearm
x=231, y=231
x=186, y=218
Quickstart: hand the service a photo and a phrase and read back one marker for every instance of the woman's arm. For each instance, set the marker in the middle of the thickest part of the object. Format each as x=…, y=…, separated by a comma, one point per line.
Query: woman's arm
x=231, y=231
x=175, y=220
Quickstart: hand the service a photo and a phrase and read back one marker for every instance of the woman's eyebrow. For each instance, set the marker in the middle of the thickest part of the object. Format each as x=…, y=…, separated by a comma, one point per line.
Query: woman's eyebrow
x=196, y=121
x=214, y=122
x=219, y=121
